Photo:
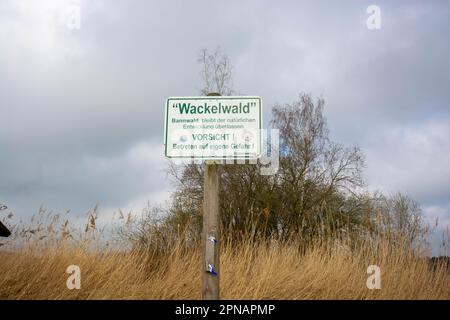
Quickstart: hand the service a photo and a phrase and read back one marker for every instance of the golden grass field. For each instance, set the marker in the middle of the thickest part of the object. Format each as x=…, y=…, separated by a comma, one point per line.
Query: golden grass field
x=249, y=271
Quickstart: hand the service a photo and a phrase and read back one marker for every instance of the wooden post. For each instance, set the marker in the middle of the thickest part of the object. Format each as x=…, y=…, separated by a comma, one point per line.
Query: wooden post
x=211, y=231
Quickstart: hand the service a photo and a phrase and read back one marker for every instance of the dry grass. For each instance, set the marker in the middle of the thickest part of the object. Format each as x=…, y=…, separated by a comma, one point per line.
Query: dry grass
x=249, y=271
x=33, y=265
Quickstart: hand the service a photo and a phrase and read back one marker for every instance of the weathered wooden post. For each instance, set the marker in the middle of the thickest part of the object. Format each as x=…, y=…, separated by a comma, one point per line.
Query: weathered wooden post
x=211, y=231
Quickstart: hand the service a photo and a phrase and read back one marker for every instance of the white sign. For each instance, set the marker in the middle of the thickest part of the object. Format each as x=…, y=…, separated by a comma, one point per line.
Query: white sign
x=213, y=127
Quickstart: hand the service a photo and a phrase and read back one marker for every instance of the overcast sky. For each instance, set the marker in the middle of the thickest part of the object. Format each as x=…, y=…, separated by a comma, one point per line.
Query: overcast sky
x=82, y=109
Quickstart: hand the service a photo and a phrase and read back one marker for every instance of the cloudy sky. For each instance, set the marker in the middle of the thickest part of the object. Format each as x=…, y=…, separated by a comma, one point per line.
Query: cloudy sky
x=82, y=109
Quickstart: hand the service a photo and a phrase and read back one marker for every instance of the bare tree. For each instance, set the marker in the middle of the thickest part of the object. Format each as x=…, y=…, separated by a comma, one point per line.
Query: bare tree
x=216, y=72
x=313, y=193
x=400, y=218
x=317, y=191
x=316, y=176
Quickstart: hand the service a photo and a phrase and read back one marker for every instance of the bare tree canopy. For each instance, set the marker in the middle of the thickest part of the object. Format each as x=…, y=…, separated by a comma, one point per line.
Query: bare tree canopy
x=318, y=190
x=216, y=73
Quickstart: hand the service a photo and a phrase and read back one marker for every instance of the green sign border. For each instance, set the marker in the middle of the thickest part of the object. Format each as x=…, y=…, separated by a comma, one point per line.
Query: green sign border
x=211, y=98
